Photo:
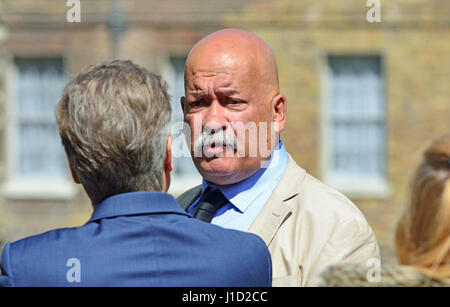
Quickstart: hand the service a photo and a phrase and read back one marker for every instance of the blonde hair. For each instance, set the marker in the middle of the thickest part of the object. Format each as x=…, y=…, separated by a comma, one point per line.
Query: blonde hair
x=423, y=232
x=114, y=120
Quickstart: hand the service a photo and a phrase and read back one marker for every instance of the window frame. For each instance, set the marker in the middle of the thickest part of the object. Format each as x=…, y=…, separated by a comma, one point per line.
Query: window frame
x=16, y=187
x=356, y=188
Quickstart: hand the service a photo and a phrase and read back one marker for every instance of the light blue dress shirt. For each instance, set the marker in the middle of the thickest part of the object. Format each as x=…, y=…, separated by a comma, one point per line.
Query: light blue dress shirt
x=248, y=197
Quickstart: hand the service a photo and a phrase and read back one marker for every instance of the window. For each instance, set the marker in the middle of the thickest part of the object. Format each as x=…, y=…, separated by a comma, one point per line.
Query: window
x=38, y=167
x=185, y=174
x=355, y=125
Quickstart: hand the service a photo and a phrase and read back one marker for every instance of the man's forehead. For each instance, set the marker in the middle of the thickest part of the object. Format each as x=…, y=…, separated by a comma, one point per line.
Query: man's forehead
x=200, y=92
x=225, y=63
x=223, y=82
x=243, y=58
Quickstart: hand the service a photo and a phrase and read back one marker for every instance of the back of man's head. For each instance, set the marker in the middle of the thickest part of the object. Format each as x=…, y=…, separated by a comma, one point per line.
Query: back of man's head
x=114, y=122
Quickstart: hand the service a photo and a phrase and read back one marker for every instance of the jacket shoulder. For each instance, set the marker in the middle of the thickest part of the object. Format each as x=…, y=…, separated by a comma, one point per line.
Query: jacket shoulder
x=253, y=254
x=313, y=194
x=30, y=258
x=227, y=252
x=318, y=196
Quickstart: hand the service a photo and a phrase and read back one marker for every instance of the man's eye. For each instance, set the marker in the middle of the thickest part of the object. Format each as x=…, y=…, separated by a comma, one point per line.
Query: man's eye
x=195, y=104
x=234, y=101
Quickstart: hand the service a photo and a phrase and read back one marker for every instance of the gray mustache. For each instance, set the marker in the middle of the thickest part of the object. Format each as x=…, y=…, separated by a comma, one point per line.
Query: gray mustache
x=218, y=138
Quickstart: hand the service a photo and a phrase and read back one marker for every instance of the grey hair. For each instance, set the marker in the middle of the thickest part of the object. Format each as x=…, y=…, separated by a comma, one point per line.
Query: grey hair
x=114, y=120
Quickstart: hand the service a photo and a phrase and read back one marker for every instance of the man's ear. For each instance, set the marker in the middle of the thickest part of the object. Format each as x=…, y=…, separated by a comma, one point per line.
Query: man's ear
x=167, y=164
x=182, y=102
x=74, y=175
x=168, y=155
x=279, y=106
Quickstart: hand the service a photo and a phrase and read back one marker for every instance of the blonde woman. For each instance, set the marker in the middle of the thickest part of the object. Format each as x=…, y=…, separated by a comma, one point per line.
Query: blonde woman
x=423, y=231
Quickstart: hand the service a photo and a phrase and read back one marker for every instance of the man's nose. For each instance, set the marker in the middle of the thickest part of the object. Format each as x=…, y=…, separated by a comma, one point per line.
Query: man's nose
x=215, y=118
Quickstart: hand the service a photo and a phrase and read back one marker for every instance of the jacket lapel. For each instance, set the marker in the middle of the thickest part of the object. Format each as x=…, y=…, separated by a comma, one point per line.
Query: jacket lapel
x=280, y=204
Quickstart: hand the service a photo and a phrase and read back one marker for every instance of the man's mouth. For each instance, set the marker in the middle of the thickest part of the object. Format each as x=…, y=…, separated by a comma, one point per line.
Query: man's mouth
x=213, y=150
x=217, y=149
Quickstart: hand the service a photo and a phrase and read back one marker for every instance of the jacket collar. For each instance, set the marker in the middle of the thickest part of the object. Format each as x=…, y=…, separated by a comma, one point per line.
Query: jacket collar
x=136, y=203
x=280, y=203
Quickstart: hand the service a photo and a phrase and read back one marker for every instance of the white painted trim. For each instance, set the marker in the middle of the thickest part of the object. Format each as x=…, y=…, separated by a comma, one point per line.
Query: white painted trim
x=11, y=123
x=39, y=189
x=23, y=188
x=361, y=189
x=355, y=188
x=324, y=71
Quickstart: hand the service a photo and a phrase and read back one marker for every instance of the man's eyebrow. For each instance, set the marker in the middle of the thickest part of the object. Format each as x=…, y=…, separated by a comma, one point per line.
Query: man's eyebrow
x=228, y=92
x=196, y=95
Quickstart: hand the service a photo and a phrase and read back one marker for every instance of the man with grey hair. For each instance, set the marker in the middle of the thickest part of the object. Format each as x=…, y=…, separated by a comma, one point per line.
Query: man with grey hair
x=114, y=124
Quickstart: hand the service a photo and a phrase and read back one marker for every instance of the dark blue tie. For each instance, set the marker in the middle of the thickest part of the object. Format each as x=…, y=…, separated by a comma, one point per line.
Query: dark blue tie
x=208, y=205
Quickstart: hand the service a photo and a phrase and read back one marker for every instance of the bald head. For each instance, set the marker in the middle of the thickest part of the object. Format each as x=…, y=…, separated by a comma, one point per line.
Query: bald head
x=237, y=49
x=231, y=84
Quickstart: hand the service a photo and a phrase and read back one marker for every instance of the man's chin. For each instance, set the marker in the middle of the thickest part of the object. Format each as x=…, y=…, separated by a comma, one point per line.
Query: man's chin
x=218, y=170
x=217, y=165
x=226, y=170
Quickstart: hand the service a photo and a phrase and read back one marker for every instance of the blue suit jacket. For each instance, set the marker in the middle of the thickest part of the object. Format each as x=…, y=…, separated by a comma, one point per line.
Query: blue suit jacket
x=138, y=239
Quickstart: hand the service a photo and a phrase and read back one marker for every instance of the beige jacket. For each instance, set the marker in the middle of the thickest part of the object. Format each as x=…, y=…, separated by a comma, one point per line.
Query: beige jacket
x=307, y=227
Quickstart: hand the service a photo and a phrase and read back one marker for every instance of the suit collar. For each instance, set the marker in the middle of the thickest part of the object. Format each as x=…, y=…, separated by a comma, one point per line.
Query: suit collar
x=280, y=204
x=136, y=203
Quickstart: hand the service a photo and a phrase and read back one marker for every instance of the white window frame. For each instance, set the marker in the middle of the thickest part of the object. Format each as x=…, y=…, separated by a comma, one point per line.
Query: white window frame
x=373, y=188
x=22, y=188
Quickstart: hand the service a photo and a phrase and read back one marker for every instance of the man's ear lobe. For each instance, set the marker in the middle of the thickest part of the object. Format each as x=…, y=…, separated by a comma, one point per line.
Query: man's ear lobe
x=182, y=102
x=168, y=156
x=279, y=106
x=74, y=175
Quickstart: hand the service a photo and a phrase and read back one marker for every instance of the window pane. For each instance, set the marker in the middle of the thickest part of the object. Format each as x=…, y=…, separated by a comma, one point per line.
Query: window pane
x=41, y=154
x=356, y=114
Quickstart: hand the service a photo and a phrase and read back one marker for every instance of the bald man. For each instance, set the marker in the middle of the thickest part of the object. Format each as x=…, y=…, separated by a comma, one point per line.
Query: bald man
x=235, y=113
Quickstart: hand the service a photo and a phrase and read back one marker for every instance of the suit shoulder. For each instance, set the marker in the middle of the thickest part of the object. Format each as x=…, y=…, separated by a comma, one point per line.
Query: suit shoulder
x=251, y=252
x=48, y=238
x=318, y=196
x=244, y=239
x=228, y=239
x=214, y=232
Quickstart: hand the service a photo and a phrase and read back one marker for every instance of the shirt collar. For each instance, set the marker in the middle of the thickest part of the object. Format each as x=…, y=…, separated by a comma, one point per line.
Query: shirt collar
x=245, y=192
x=136, y=203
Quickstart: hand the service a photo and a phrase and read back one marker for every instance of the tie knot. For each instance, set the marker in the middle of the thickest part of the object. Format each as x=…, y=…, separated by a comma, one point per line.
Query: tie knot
x=209, y=203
